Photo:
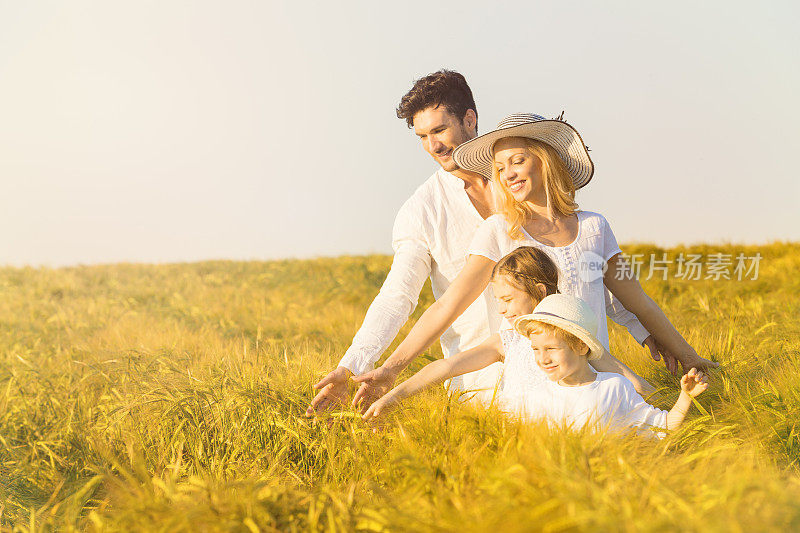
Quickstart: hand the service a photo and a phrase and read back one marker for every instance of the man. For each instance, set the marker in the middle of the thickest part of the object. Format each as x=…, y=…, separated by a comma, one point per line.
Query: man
x=431, y=234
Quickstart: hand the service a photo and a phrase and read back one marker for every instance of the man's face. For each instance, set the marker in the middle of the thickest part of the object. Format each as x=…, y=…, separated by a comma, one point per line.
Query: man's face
x=441, y=132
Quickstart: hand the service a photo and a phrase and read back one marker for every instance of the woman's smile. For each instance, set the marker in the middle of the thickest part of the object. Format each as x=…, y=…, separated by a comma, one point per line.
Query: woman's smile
x=518, y=169
x=516, y=186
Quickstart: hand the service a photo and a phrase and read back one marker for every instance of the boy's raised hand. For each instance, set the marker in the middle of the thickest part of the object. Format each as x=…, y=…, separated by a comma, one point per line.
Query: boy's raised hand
x=694, y=382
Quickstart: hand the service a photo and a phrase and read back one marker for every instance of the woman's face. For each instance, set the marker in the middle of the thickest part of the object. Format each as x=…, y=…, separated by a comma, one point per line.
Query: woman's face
x=518, y=170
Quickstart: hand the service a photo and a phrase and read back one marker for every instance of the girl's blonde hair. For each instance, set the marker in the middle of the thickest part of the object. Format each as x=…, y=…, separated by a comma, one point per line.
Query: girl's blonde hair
x=558, y=187
x=525, y=267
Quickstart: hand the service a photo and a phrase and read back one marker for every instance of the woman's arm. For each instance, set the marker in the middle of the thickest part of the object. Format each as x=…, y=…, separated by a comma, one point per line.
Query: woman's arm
x=624, y=286
x=467, y=286
x=486, y=353
x=609, y=363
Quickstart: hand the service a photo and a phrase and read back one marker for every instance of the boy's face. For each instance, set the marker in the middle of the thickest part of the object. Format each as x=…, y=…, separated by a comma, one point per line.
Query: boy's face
x=555, y=356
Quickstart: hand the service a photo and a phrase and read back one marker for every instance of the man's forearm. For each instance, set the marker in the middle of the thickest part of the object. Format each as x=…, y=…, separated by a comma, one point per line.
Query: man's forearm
x=381, y=325
x=390, y=310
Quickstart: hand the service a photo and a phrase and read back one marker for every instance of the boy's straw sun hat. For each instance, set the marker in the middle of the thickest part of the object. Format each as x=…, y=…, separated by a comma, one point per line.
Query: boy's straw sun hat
x=476, y=155
x=569, y=313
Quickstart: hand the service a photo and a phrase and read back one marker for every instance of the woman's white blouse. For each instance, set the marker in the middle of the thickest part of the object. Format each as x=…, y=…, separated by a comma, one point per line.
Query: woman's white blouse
x=580, y=263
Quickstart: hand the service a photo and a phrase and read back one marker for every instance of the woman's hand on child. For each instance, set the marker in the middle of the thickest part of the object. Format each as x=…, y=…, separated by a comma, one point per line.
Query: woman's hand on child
x=694, y=382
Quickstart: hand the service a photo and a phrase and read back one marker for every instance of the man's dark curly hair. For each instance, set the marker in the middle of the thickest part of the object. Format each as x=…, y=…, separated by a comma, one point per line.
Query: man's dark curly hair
x=444, y=87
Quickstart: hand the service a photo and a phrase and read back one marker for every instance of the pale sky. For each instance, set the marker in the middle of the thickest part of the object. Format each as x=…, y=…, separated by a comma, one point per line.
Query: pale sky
x=155, y=131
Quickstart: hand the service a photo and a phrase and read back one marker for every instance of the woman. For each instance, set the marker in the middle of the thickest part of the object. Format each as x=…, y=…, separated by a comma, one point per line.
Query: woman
x=536, y=166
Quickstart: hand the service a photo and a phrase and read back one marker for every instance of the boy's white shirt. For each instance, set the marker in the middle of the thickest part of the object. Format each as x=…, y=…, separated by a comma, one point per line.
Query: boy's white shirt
x=431, y=237
x=608, y=401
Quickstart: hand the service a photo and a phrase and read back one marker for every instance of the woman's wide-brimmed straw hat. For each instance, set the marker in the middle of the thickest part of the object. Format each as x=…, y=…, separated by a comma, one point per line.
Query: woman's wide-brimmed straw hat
x=569, y=313
x=476, y=155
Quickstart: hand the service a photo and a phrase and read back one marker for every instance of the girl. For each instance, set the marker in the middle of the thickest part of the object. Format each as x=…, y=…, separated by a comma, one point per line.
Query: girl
x=536, y=166
x=519, y=281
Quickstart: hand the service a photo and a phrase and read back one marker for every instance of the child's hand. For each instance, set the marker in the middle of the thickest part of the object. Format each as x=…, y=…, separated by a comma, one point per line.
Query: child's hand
x=694, y=382
x=379, y=408
x=374, y=384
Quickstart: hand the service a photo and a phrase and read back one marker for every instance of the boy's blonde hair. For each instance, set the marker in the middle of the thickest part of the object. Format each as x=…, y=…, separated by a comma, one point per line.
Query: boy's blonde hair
x=558, y=186
x=534, y=327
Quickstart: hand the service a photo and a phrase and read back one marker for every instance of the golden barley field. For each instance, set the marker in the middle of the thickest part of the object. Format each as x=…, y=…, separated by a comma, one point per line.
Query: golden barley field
x=171, y=398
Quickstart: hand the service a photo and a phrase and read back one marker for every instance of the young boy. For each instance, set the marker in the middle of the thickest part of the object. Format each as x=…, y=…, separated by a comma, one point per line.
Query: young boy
x=562, y=333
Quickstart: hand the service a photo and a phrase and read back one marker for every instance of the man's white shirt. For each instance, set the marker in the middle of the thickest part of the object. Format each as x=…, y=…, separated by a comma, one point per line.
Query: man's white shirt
x=431, y=237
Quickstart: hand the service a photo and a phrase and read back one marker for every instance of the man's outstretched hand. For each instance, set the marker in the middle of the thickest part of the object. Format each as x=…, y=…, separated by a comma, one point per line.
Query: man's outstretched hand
x=333, y=391
x=374, y=384
x=693, y=360
x=687, y=361
x=657, y=352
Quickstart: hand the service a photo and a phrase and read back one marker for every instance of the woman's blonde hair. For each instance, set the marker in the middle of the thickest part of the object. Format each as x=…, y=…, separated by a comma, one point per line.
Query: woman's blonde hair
x=558, y=187
x=526, y=267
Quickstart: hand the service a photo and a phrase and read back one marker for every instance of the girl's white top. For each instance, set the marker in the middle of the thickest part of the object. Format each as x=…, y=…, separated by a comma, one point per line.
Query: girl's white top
x=580, y=263
x=522, y=377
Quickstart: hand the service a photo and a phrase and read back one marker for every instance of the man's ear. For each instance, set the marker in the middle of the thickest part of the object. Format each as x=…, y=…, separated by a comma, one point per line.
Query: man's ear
x=471, y=121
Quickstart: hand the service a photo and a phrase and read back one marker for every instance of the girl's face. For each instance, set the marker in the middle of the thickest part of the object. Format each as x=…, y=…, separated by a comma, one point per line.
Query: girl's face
x=518, y=170
x=511, y=300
